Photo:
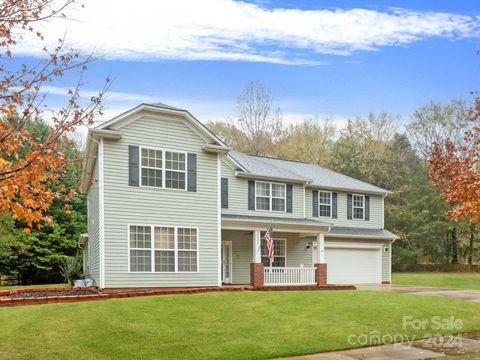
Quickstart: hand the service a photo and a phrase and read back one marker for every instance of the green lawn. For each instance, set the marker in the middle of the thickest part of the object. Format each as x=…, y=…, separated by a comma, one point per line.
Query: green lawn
x=448, y=280
x=234, y=325
x=32, y=286
x=473, y=356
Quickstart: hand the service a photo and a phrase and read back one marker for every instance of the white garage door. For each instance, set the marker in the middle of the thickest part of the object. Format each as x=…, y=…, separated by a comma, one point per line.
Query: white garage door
x=353, y=265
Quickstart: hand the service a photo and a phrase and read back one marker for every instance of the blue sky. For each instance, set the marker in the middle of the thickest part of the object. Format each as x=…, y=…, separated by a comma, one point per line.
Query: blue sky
x=326, y=58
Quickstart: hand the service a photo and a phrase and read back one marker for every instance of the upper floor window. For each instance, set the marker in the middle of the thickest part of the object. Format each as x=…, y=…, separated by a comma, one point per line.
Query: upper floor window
x=280, y=253
x=325, y=203
x=160, y=168
x=270, y=196
x=358, y=206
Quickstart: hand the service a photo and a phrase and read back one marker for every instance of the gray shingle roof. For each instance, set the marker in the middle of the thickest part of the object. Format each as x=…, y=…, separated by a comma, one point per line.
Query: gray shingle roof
x=350, y=231
x=165, y=106
x=256, y=166
x=273, y=219
x=315, y=175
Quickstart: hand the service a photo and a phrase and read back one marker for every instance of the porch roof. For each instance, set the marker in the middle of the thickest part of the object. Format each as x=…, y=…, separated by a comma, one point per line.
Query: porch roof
x=342, y=231
x=247, y=222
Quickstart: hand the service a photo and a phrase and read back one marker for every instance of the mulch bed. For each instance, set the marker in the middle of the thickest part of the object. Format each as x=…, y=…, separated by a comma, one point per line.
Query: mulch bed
x=57, y=295
x=40, y=294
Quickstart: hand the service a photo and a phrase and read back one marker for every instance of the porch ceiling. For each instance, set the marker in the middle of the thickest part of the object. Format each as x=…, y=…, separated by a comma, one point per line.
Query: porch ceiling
x=245, y=222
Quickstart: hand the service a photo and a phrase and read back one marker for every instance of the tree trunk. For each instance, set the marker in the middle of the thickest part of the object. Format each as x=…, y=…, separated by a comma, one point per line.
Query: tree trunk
x=447, y=247
x=472, y=241
x=454, y=245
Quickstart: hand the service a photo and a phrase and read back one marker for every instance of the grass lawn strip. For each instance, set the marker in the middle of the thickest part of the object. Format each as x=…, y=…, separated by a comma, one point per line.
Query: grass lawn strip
x=445, y=280
x=240, y=325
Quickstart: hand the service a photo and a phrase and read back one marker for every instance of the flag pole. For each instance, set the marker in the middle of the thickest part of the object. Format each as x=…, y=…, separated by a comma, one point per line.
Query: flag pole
x=271, y=260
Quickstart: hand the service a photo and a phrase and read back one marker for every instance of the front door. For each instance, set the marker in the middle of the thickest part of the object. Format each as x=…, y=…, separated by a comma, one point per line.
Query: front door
x=226, y=262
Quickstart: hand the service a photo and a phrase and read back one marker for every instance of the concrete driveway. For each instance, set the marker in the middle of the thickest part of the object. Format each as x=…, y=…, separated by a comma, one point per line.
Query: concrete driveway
x=464, y=294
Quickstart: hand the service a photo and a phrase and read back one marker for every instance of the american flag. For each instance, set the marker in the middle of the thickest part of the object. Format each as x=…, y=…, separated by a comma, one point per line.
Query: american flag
x=269, y=241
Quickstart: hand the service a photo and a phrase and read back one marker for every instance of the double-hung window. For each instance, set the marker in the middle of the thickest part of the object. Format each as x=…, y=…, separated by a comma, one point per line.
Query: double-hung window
x=163, y=249
x=187, y=249
x=279, y=253
x=325, y=203
x=162, y=168
x=174, y=170
x=358, y=206
x=152, y=169
x=270, y=196
x=140, y=248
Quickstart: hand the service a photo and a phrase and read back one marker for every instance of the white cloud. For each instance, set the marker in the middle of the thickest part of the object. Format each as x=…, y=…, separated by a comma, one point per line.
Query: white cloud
x=235, y=30
x=111, y=96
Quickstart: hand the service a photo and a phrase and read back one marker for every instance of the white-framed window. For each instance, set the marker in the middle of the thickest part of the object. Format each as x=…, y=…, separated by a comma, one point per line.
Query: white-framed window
x=140, y=240
x=163, y=168
x=358, y=206
x=270, y=196
x=187, y=249
x=325, y=204
x=279, y=253
x=162, y=248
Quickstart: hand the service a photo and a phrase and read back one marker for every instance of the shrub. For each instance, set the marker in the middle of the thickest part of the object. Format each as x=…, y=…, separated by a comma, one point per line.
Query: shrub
x=71, y=269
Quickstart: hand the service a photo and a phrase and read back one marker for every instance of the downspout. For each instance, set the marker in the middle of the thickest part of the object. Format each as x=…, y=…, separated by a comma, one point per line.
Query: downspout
x=219, y=219
x=101, y=210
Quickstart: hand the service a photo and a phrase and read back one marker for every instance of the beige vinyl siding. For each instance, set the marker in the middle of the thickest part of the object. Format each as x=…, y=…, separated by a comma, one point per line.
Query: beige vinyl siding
x=297, y=254
x=238, y=197
x=242, y=252
x=93, y=229
x=126, y=204
x=376, y=211
x=386, y=265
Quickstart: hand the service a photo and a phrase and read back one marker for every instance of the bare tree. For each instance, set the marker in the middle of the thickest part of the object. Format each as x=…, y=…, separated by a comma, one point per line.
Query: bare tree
x=259, y=119
x=437, y=123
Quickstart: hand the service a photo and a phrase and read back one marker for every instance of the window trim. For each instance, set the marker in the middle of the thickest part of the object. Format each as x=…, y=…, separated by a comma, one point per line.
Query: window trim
x=331, y=203
x=271, y=196
x=358, y=207
x=152, y=249
x=163, y=169
x=285, y=256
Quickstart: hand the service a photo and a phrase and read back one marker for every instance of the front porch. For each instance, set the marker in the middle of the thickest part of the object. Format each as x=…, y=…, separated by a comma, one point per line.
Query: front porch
x=299, y=254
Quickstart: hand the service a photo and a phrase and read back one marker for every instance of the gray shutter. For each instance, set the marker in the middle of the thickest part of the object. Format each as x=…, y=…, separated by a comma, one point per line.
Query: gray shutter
x=315, y=203
x=133, y=165
x=349, y=206
x=334, y=205
x=367, y=208
x=224, y=193
x=192, y=172
x=251, y=195
x=289, y=198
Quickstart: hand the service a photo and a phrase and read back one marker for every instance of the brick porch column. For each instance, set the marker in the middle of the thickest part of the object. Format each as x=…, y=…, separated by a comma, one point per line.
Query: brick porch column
x=321, y=266
x=321, y=274
x=256, y=266
x=256, y=275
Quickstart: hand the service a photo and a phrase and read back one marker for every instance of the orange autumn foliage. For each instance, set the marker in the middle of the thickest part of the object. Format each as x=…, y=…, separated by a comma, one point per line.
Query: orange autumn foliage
x=455, y=172
x=26, y=180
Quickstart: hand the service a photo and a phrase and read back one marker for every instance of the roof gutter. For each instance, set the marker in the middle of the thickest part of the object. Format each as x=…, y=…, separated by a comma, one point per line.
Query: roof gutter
x=216, y=149
x=384, y=193
x=246, y=175
x=91, y=149
x=394, y=237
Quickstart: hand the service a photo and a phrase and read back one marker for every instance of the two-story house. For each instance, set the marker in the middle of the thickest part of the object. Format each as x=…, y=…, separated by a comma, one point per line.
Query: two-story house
x=171, y=205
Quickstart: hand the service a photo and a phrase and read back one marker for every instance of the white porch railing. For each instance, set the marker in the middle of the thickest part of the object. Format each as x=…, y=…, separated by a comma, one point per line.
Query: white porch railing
x=289, y=276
